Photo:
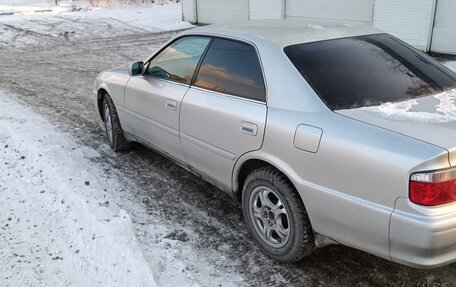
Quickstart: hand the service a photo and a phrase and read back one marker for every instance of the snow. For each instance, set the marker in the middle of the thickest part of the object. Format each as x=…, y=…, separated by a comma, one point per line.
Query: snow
x=19, y=3
x=63, y=218
x=57, y=225
x=32, y=28
x=24, y=7
x=62, y=221
x=56, y=230
x=62, y=231
x=445, y=107
x=157, y=17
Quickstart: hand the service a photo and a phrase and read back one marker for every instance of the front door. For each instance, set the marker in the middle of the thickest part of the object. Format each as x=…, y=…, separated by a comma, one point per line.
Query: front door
x=153, y=100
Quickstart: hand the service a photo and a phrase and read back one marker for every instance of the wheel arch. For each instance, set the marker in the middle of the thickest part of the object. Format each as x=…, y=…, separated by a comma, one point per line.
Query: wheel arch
x=303, y=244
x=100, y=96
x=249, y=162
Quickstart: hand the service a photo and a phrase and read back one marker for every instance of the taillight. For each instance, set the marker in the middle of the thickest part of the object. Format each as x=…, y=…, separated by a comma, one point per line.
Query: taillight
x=433, y=188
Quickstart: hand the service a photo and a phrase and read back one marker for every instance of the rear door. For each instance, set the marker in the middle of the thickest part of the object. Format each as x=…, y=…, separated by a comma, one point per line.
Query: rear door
x=153, y=100
x=223, y=114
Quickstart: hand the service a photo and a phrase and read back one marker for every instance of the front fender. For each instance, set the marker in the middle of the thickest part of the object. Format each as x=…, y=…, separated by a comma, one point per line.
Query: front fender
x=114, y=83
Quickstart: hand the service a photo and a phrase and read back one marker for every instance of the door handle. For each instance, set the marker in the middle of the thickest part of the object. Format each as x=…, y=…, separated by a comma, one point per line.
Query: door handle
x=171, y=104
x=249, y=128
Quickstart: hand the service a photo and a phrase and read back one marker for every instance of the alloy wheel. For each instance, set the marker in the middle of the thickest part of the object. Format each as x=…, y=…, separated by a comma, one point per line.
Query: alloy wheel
x=108, y=124
x=269, y=216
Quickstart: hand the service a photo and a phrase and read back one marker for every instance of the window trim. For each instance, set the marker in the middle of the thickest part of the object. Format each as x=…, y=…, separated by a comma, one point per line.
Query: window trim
x=216, y=36
x=231, y=96
x=169, y=43
x=197, y=68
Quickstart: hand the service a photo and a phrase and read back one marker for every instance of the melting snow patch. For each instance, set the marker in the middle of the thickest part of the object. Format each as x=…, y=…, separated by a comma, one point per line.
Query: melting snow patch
x=445, y=109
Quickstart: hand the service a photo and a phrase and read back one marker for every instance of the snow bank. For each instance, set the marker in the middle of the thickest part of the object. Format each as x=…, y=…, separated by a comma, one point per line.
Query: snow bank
x=57, y=226
x=60, y=25
x=50, y=4
x=24, y=7
x=39, y=3
x=63, y=220
x=150, y=18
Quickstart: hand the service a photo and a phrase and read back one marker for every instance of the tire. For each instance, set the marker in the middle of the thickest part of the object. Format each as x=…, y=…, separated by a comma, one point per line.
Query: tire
x=113, y=129
x=276, y=217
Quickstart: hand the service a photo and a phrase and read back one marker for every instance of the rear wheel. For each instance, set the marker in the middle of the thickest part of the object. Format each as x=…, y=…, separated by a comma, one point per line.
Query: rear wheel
x=114, y=132
x=276, y=217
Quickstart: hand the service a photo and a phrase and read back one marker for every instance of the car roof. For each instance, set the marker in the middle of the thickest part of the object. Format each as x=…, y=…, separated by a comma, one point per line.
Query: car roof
x=287, y=32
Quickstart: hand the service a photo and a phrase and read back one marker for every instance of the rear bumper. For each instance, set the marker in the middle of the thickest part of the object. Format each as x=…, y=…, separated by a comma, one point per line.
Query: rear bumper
x=423, y=237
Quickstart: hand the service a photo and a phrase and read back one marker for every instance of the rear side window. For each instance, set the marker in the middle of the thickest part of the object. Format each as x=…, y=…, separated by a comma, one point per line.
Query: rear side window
x=368, y=71
x=233, y=68
x=178, y=61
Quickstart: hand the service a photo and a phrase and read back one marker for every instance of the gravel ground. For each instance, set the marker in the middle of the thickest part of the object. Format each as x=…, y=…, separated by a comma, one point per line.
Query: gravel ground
x=55, y=79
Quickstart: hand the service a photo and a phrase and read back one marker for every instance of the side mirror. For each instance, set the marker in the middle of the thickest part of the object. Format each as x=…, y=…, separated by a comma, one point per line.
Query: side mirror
x=136, y=68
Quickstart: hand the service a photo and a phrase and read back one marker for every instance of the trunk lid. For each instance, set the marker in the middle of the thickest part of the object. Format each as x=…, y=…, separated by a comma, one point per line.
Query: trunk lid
x=431, y=119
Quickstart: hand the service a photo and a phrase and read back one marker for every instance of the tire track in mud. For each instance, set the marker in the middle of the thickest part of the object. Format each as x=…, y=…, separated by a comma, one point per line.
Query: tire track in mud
x=57, y=81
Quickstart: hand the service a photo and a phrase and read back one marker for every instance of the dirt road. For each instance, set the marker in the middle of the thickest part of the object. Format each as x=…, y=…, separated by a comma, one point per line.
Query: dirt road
x=56, y=79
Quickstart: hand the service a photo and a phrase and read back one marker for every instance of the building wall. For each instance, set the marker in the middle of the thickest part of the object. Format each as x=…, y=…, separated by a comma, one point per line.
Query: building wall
x=189, y=11
x=222, y=11
x=266, y=9
x=444, y=34
x=409, y=20
x=350, y=10
x=425, y=24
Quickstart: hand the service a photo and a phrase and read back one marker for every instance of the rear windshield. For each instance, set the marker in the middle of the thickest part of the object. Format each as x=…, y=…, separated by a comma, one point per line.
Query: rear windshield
x=368, y=71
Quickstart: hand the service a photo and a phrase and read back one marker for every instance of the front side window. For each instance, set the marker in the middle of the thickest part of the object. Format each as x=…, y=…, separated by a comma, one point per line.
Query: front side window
x=178, y=61
x=232, y=67
x=368, y=71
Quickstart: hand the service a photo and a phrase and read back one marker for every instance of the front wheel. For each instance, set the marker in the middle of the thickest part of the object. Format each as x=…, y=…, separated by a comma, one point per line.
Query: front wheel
x=276, y=217
x=114, y=132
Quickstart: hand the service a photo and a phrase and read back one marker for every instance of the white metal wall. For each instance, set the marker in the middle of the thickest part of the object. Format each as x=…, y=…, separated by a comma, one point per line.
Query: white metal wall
x=409, y=20
x=425, y=24
x=222, y=11
x=444, y=35
x=189, y=11
x=349, y=10
x=266, y=9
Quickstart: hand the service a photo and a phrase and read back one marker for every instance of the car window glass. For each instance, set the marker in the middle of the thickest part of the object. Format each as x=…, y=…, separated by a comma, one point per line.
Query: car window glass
x=368, y=71
x=178, y=61
x=232, y=67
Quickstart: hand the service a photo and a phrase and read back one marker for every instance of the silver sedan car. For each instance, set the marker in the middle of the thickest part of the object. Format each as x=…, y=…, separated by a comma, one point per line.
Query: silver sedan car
x=326, y=133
